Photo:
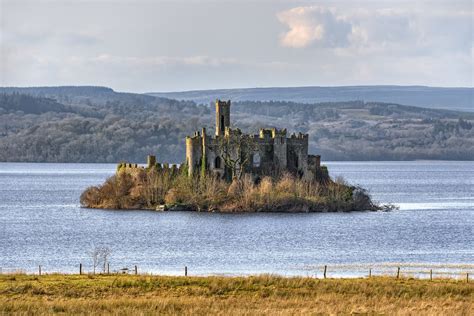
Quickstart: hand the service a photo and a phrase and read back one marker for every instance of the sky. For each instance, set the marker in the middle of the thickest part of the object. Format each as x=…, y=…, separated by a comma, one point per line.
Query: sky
x=157, y=46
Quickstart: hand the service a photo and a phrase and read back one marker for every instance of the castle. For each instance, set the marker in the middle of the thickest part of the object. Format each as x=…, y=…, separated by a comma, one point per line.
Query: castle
x=230, y=153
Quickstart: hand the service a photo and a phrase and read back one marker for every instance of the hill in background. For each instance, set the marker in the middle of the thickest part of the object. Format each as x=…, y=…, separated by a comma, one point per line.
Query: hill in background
x=429, y=97
x=96, y=124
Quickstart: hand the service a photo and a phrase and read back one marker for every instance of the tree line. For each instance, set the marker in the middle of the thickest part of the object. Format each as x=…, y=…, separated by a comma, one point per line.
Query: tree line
x=105, y=126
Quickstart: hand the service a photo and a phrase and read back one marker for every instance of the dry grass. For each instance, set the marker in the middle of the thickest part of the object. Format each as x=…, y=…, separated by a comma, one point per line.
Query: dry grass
x=145, y=189
x=257, y=295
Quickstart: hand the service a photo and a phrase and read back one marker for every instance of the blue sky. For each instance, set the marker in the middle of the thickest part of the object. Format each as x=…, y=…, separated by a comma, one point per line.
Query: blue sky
x=146, y=46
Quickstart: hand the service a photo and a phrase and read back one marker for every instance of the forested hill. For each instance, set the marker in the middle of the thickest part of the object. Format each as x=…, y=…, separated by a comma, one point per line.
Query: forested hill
x=429, y=97
x=94, y=124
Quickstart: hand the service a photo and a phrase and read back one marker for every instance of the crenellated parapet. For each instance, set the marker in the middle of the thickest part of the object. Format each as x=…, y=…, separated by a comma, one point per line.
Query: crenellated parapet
x=128, y=166
x=273, y=133
x=152, y=164
x=232, y=132
x=299, y=136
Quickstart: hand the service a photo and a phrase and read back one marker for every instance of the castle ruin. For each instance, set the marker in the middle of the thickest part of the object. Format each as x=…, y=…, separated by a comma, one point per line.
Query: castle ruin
x=230, y=153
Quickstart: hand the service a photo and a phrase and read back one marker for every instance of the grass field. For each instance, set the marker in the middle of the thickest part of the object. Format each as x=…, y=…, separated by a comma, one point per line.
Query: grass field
x=257, y=295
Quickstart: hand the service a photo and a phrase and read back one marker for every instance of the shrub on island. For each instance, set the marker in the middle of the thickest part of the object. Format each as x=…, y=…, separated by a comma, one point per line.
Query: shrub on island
x=168, y=190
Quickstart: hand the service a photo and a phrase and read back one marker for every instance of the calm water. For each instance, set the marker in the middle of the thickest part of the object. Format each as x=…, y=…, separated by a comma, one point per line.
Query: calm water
x=41, y=223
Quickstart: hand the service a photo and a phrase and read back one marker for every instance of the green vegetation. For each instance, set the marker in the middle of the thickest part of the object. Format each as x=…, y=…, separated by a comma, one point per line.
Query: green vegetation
x=95, y=124
x=254, y=295
x=147, y=189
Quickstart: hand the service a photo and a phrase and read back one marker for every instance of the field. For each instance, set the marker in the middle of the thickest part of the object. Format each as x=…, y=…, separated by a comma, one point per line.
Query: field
x=256, y=295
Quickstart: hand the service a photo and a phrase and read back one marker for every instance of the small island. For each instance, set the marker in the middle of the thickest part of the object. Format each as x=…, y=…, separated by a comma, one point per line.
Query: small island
x=232, y=172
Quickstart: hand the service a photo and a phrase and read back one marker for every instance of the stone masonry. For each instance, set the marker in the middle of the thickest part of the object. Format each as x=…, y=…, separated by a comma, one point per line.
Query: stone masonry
x=270, y=152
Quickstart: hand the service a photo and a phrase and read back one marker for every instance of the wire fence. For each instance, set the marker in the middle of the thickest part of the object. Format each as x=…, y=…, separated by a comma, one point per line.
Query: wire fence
x=416, y=271
x=419, y=271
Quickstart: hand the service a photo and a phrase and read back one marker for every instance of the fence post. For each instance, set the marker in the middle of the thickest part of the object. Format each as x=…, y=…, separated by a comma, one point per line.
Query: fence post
x=325, y=269
x=398, y=272
x=80, y=268
x=185, y=271
x=467, y=277
x=136, y=270
x=108, y=268
x=370, y=272
x=39, y=270
x=431, y=274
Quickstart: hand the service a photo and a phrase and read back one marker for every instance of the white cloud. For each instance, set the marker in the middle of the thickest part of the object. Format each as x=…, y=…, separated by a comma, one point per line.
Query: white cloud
x=313, y=24
x=164, y=45
x=376, y=30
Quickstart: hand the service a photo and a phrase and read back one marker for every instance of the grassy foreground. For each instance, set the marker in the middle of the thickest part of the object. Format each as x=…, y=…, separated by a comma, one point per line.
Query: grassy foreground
x=257, y=295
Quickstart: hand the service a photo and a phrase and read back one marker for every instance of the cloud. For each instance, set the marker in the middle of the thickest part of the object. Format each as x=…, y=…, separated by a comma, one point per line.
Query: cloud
x=376, y=30
x=163, y=45
x=383, y=43
x=313, y=25
x=30, y=35
x=157, y=61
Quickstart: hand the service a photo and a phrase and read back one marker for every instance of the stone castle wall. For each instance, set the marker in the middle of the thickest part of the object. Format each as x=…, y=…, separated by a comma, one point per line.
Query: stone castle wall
x=135, y=169
x=269, y=152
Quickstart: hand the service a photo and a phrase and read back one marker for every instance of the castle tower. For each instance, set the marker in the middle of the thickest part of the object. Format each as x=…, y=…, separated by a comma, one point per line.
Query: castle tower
x=222, y=116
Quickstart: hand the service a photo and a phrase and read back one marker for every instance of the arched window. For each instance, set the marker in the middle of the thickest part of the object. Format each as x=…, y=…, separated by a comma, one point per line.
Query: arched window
x=222, y=123
x=256, y=160
x=217, y=162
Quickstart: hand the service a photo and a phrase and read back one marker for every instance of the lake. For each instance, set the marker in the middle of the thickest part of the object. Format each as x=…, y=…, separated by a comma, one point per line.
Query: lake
x=42, y=223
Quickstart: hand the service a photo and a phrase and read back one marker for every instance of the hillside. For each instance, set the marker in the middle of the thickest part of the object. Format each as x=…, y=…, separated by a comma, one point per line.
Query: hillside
x=94, y=124
x=429, y=97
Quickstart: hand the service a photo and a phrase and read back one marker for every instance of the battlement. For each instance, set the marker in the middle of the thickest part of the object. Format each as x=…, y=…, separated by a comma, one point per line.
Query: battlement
x=134, y=168
x=278, y=133
x=265, y=133
x=272, y=133
x=195, y=135
x=222, y=102
x=128, y=166
x=299, y=136
x=229, y=132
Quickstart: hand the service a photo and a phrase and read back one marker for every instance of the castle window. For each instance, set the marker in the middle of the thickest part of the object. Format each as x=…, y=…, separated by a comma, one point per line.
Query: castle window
x=296, y=162
x=222, y=123
x=217, y=162
x=256, y=160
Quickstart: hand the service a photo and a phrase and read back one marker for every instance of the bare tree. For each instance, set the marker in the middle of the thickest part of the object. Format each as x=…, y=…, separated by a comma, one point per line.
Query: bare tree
x=105, y=253
x=95, y=254
x=100, y=255
x=236, y=151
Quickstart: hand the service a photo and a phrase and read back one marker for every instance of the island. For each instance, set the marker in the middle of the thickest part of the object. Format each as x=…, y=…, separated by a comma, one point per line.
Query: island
x=232, y=172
